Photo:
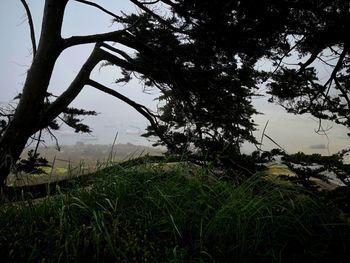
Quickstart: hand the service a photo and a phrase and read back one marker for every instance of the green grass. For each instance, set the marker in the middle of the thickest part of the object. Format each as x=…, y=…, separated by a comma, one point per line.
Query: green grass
x=147, y=214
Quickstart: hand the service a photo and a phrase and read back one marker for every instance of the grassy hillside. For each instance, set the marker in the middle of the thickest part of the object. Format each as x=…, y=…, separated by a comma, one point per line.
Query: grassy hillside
x=153, y=213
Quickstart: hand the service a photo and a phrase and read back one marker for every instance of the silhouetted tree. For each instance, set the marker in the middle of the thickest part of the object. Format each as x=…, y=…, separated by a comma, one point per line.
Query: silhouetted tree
x=313, y=75
x=202, y=56
x=188, y=82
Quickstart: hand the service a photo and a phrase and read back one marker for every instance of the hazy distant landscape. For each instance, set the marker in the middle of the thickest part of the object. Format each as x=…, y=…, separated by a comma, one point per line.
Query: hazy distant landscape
x=79, y=159
x=91, y=154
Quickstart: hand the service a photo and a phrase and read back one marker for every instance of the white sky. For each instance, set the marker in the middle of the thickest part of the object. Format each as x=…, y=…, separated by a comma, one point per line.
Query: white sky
x=294, y=133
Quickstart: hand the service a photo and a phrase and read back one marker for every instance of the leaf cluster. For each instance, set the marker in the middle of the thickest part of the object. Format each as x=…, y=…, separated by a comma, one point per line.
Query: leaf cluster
x=32, y=164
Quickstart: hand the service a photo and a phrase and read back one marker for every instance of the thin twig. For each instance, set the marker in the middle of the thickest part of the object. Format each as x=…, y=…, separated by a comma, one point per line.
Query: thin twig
x=54, y=138
x=324, y=132
x=152, y=118
x=285, y=55
x=38, y=142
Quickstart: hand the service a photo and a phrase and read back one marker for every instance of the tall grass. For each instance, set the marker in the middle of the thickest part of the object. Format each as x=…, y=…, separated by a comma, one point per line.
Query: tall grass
x=149, y=214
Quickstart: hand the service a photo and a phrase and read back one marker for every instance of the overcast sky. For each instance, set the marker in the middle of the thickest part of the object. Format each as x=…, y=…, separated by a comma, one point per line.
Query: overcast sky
x=294, y=133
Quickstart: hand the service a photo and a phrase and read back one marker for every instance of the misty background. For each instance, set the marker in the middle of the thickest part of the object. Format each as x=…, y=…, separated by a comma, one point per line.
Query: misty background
x=293, y=133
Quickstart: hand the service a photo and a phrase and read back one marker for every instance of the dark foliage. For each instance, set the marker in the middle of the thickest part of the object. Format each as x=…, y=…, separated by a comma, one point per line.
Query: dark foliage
x=70, y=118
x=333, y=163
x=317, y=81
x=202, y=58
x=32, y=164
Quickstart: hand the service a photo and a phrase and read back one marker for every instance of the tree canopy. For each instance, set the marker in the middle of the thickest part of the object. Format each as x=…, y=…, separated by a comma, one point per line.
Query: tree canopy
x=202, y=56
x=317, y=82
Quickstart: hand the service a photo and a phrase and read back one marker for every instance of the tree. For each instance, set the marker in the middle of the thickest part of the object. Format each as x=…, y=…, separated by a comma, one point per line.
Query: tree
x=316, y=38
x=174, y=53
x=201, y=55
x=35, y=111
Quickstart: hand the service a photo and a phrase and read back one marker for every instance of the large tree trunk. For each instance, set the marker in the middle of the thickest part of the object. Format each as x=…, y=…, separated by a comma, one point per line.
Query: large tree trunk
x=25, y=122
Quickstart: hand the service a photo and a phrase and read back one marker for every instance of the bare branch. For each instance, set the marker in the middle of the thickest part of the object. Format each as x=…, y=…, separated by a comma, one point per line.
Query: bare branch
x=325, y=62
x=116, y=36
x=102, y=9
x=286, y=54
x=73, y=90
x=150, y=2
x=119, y=62
x=140, y=108
x=333, y=76
x=337, y=66
x=114, y=93
x=118, y=51
x=311, y=59
x=31, y=25
x=322, y=131
x=53, y=137
x=38, y=142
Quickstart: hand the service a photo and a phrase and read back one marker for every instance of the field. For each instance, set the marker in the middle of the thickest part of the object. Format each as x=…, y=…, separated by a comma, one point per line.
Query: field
x=91, y=154
x=79, y=159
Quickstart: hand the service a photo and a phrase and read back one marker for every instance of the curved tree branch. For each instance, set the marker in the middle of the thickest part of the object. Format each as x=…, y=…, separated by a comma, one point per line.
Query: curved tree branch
x=285, y=55
x=116, y=36
x=73, y=90
x=311, y=59
x=119, y=36
x=150, y=2
x=118, y=51
x=31, y=25
x=140, y=108
x=128, y=65
x=119, y=18
x=338, y=65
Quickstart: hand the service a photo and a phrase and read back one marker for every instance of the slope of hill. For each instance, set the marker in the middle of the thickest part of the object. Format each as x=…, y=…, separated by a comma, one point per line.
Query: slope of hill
x=179, y=214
